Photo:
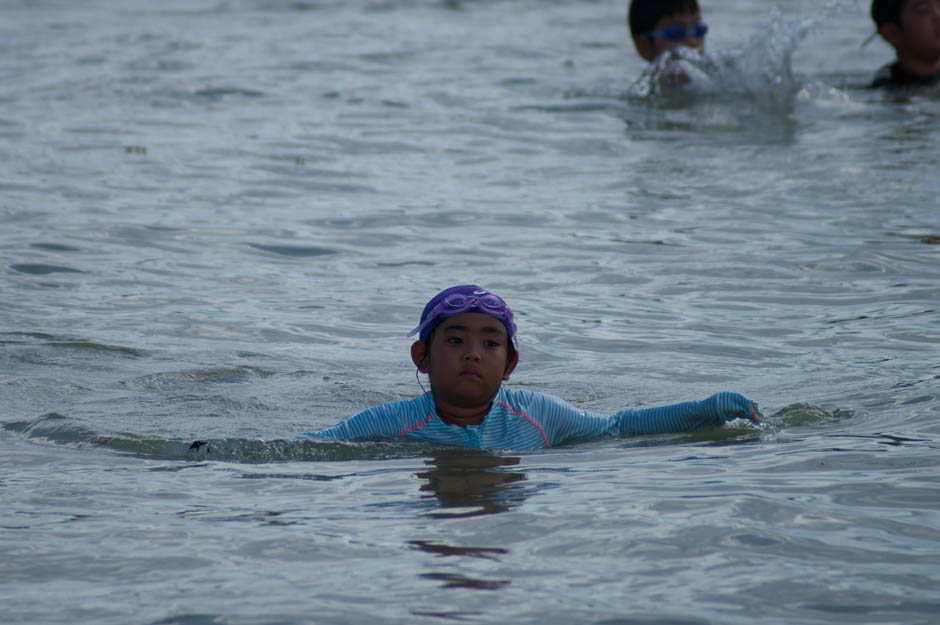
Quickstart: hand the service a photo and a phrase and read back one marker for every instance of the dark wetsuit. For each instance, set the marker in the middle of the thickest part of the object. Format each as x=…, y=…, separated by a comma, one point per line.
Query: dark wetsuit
x=892, y=75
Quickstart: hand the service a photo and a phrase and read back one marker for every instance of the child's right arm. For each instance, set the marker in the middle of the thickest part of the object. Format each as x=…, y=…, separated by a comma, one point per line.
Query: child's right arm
x=383, y=422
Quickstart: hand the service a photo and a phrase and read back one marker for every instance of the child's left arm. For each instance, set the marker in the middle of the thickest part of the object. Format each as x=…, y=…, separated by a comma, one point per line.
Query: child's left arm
x=689, y=416
x=563, y=421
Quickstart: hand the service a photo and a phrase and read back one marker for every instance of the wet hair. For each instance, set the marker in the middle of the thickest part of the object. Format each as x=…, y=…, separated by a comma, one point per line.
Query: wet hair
x=886, y=11
x=643, y=14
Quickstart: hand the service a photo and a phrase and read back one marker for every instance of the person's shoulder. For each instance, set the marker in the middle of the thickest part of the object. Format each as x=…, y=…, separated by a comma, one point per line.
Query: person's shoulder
x=509, y=398
x=530, y=402
x=414, y=406
x=513, y=396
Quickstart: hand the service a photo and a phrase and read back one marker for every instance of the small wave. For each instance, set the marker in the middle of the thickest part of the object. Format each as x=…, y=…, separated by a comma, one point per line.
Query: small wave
x=40, y=269
x=68, y=343
x=62, y=430
x=219, y=375
x=216, y=93
x=18, y=337
x=803, y=414
x=296, y=251
x=97, y=347
x=54, y=247
x=254, y=451
x=53, y=427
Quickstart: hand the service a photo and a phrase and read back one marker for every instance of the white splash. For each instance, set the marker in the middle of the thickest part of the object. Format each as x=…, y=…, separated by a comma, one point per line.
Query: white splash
x=759, y=69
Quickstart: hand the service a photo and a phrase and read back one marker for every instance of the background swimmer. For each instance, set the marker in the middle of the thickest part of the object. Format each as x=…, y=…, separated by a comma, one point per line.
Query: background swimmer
x=660, y=25
x=912, y=27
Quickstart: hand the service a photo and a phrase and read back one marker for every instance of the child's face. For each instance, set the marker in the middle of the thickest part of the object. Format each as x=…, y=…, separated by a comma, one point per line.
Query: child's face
x=919, y=23
x=467, y=359
x=651, y=47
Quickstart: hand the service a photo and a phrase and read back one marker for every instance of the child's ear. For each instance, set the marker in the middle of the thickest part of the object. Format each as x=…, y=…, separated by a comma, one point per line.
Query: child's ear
x=891, y=33
x=419, y=355
x=511, y=365
x=644, y=47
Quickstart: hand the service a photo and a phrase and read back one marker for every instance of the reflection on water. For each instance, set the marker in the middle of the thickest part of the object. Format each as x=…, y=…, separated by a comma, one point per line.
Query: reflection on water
x=468, y=485
x=453, y=580
x=471, y=485
x=451, y=550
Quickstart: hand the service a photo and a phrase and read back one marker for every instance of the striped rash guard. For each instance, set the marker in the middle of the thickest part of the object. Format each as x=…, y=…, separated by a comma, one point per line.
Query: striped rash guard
x=530, y=420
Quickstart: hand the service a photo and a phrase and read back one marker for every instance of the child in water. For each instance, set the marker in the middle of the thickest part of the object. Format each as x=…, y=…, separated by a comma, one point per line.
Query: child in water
x=467, y=347
x=659, y=25
x=913, y=28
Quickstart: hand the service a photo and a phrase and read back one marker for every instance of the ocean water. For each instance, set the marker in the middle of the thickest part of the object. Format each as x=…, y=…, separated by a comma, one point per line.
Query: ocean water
x=219, y=220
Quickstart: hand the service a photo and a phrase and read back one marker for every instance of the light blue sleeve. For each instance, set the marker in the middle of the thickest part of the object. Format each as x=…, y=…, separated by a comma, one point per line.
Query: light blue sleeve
x=385, y=421
x=563, y=421
x=687, y=416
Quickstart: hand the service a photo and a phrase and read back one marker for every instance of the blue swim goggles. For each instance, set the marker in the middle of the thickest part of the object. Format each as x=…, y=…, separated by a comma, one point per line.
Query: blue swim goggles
x=677, y=32
x=457, y=303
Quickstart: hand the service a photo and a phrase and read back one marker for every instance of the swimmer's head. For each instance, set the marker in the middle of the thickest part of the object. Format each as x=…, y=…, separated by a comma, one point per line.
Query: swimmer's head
x=912, y=27
x=658, y=25
x=460, y=299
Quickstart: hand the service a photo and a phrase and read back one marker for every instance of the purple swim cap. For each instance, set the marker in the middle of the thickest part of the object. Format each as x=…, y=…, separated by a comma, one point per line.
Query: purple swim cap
x=460, y=299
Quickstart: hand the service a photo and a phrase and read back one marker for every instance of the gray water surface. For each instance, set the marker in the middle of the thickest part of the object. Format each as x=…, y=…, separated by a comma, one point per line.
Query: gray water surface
x=218, y=221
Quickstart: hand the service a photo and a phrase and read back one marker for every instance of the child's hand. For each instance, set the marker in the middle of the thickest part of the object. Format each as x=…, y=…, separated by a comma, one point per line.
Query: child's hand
x=733, y=406
x=756, y=416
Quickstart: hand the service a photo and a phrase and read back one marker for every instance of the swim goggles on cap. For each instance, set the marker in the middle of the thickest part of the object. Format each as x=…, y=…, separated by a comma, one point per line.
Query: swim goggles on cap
x=678, y=32
x=457, y=303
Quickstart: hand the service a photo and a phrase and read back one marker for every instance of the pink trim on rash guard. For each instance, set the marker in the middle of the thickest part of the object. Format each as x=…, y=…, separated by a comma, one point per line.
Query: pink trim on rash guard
x=413, y=427
x=537, y=425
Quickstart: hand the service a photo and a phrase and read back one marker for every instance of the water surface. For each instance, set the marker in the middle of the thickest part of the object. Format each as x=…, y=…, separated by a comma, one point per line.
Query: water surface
x=220, y=220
